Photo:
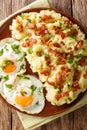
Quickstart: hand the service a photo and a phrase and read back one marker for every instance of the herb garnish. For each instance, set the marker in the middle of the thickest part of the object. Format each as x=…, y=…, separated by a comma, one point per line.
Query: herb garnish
x=15, y=48
x=1, y=52
x=9, y=86
x=33, y=88
x=23, y=93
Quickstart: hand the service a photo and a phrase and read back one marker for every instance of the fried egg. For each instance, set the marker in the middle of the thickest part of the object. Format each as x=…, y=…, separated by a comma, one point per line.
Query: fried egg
x=25, y=92
x=12, y=59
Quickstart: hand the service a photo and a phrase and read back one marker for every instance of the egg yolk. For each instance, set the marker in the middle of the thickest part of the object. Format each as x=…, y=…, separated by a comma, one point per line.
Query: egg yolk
x=24, y=101
x=8, y=66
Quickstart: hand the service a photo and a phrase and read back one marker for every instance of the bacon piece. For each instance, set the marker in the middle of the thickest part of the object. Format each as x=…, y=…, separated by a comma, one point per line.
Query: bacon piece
x=20, y=28
x=58, y=96
x=57, y=29
x=82, y=61
x=75, y=86
x=46, y=17
x=85, y=74
x=79, y=45
x=48, y=60
x=76, y=75
x=61, y=60
x=59, y=78
x=26, y=44
x=65, y=94
x=50, y=50
x=51, y=83
x=32, y=26
x=33, y=41
x=68, y=22
x=62, y=34
x=45, y=72
x=52, y=67
x=56, y=45
x=73, y=32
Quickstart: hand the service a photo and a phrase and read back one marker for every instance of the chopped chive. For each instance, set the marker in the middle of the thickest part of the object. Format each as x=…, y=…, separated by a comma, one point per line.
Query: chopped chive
x=1, y=52
x=37, y=103
x=24, y=77
x=29, y=20
x=70, y=99
x=68, y=26
x=21, y=59
x=71, y=59
x=33, y=88
x=15, y=48
x=79, y=56
x=9, y=86
x=23, y=93
x=55, y=87
x=4, y=77
x=22, y=66
x=30, y=50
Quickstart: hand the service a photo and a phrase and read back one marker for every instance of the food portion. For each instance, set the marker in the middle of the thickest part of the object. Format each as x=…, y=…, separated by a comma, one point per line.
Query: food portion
x=12, y=58
x=55, y=48
x=25, y=92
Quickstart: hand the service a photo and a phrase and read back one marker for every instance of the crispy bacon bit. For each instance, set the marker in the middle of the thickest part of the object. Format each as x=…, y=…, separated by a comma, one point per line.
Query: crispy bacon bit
x=26, y=44
x=58, y=96
x=50, y=50
x=61, y=60
x=52, y=67
x=45, y=72
x=65, y=94
x=48, y=42
x=79, y=45
x=32, y=26
x=82, y=61
x=48, y=60
x=69, y=48
x=62, y=34
x=73, y=32
x=64, y=55
x=56, y=53
x=29, y=34
x=62, y=43
x=68, y=22
x=76, y=75
x=38, y=33
x=20, y=28
x=85, y=74
x=56, y=45
x=33, y=41
x=30, y=42
x=51, y=83
x=75, y=86
x=59, y=78
x=38, y=53
x=46, y=17
x=57, y=29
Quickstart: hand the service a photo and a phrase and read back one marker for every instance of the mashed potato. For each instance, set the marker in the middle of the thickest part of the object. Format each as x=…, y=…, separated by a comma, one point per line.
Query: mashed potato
x=56, y=49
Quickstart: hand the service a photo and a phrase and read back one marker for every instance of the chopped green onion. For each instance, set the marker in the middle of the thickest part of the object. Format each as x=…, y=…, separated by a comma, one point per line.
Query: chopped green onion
x=33, y=88
x=55, y=87
x=79, y=56
x=15, y=48
x=30, y=50
x=1, y=52
x=23, y=93
x=37, y=103
x=22, y=66
x=71, y=59
x=9, y=86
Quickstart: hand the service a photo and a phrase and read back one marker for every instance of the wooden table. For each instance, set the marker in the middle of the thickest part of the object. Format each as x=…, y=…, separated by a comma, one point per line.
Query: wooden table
x=76, y=120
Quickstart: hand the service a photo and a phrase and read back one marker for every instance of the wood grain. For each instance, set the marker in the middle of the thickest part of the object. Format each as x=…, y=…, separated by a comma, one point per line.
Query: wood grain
x=74, y=121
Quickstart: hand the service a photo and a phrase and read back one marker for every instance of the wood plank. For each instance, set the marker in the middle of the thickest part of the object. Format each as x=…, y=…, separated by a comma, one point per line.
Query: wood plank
x=80, y=10
x=5, y=111
x=80, y=119
x=59, y=4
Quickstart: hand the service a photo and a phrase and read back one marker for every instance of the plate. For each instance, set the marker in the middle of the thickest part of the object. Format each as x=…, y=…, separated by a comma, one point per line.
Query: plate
x=49, y=109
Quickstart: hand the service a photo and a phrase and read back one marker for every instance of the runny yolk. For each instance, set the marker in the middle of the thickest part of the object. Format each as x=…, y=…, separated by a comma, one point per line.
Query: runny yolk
x=24, y=101
x=8, y=66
